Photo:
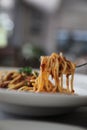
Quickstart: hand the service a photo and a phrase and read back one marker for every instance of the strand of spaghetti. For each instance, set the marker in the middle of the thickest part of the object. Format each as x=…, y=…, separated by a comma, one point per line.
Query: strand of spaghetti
x=72, y=78
x=62, y=80
x=67, y=83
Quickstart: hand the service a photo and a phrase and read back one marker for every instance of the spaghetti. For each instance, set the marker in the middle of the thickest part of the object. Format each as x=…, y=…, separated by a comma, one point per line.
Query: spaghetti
x=55, y=66
x=50, y=78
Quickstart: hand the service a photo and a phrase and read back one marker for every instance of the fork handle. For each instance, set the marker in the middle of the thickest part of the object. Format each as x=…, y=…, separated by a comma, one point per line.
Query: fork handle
x=81, y=65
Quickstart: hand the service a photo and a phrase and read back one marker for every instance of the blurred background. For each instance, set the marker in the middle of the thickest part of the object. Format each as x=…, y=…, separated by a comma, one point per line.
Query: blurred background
x=31, y=28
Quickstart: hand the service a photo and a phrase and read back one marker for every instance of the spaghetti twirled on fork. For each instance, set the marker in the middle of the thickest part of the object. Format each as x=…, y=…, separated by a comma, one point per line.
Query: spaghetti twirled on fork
x=55, y=66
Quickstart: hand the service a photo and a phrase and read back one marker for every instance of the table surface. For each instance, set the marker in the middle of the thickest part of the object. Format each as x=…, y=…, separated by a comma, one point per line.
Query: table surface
x=76, y=118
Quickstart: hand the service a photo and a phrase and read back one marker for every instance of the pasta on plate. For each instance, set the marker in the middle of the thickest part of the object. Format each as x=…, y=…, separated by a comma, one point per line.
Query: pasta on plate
x=50, y=78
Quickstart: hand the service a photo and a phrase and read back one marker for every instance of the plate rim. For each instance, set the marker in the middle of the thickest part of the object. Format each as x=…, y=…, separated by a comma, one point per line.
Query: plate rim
x=4, y=122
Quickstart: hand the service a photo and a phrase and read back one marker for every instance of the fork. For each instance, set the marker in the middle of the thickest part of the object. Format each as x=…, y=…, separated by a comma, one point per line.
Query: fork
x=81, y=65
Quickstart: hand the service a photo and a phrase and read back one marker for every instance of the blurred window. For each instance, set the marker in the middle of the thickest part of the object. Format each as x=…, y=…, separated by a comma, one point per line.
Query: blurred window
x=72, y=42
x=62, y=36
x=63, y=40
x=6, y=27
x=6, y=21
x=79, y=35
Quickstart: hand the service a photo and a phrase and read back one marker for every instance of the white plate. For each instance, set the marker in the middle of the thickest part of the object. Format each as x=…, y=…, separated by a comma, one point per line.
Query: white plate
x=35, y=125
x=36, y=104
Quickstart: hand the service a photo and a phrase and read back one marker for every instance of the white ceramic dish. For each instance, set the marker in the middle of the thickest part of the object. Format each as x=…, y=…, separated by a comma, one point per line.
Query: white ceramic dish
x=35, y=125
x=38, y=104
